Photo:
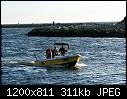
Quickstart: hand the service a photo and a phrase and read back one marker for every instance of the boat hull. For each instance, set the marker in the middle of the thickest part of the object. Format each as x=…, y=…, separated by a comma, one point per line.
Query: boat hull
x=64, y=61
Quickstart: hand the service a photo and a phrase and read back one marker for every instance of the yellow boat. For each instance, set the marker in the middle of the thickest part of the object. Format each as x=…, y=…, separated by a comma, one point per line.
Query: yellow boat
x=62, y=60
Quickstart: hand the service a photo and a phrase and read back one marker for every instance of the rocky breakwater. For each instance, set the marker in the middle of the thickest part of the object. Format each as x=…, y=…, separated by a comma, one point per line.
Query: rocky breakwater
x=98, y=29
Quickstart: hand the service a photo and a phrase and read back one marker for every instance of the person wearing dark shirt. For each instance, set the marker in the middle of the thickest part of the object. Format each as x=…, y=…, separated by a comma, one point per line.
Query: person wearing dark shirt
x=54, y=52
x=62, y=50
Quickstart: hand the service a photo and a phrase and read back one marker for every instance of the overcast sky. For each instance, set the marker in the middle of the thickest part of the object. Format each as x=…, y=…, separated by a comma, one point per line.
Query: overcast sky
x=61, y=11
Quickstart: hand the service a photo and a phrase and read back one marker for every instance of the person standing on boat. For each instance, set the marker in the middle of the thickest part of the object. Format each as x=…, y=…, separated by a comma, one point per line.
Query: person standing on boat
x=48, y=53
x=54, y=52
x=62, y=50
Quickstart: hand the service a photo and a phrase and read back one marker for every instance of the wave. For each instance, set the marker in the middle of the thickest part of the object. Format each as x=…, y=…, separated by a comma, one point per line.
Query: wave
x=81, y=64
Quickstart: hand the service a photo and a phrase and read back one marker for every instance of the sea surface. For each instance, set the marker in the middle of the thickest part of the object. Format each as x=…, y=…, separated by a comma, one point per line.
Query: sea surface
x=103, y=60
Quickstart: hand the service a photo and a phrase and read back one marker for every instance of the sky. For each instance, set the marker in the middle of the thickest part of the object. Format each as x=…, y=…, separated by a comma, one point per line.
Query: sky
x=13, y=12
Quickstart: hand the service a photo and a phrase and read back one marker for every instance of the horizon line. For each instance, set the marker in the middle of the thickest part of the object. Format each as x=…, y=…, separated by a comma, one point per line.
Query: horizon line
x=58, y=22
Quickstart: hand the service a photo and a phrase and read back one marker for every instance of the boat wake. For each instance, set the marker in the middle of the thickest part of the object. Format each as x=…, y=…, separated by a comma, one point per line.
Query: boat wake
x=28, y=63
x=80, y=65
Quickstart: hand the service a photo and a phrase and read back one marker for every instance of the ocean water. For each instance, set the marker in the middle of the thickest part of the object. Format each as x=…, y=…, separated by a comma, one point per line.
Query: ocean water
x=103, y=60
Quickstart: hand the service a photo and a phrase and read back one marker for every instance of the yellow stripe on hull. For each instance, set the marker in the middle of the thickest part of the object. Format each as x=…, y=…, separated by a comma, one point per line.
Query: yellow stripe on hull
x=57, y=61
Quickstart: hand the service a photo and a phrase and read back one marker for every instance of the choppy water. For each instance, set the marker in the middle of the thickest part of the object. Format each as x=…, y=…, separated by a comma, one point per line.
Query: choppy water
x=103, y=60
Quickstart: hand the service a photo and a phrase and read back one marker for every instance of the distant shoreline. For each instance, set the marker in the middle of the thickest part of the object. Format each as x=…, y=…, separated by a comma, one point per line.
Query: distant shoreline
x=44, y=24
x=20, y=25
x=87, y=29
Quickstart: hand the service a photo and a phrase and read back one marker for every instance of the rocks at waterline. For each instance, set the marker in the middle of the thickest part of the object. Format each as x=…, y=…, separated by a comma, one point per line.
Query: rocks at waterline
x=98, y=29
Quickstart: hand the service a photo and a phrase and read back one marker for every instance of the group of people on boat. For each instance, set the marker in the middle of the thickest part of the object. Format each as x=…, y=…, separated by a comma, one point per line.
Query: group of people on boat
x=51, y=53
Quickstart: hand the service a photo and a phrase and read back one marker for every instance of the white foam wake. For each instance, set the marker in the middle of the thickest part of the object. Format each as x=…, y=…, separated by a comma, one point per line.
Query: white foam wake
x=80, y=65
